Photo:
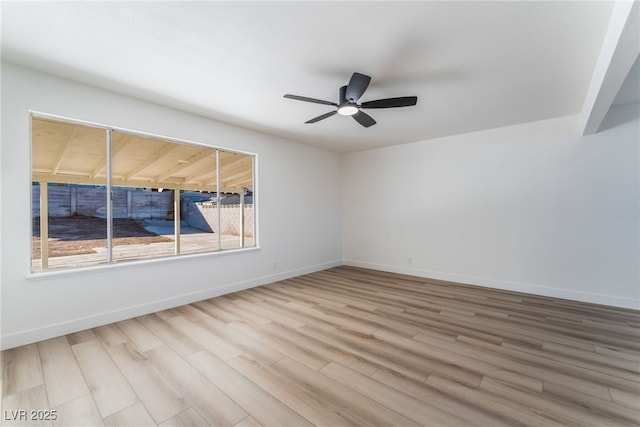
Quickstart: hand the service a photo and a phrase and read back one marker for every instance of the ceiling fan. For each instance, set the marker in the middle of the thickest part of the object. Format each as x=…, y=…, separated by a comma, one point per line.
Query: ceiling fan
x=348, y=102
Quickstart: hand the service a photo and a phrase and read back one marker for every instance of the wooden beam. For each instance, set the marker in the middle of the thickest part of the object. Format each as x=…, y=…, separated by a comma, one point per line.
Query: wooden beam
x=224, y=189
x=202, y=155
x=61, y=155
x=239, y=179
x=226, y=163
x=86, y=180
x=202, y=171
x=118, y=147
x=163, y=152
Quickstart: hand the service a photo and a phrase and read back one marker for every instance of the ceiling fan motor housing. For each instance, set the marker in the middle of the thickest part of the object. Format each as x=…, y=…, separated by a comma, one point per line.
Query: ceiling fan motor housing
x=347, y=107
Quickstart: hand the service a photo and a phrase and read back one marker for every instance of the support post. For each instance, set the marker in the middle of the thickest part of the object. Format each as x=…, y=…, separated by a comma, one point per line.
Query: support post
x=218, y=199
x=176, y=219
x=242, y=218
x=109, y=202
x=73, y=191
x=44, y=224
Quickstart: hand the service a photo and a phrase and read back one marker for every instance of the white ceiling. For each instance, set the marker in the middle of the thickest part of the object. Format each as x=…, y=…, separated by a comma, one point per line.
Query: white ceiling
x=473, y=65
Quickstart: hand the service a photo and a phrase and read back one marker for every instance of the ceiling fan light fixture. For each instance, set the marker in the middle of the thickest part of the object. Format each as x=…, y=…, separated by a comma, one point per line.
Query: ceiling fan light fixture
x=347, y=110
x=348, y=102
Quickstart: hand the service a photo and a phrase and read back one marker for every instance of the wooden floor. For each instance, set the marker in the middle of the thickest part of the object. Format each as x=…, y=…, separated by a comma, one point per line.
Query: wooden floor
x=344, y=346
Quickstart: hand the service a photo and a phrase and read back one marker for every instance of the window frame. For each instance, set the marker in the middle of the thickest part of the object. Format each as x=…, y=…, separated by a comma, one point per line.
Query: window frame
x=110, y=262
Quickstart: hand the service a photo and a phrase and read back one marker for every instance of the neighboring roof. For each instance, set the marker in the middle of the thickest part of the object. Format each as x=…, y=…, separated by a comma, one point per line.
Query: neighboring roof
x=235, y=200
x=225, y=199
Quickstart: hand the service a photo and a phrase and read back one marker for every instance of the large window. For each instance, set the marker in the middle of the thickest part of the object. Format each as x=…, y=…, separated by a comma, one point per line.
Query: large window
x=101, y=195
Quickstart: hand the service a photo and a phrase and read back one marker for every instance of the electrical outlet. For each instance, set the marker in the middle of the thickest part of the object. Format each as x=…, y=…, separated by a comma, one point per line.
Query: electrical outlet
x=275, y=266
x=410, y=260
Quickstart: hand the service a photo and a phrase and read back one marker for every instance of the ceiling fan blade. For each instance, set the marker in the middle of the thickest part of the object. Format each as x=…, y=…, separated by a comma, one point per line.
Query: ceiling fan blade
x=304, y=98
x=364, y=119
x=322, y=117
x=404, y=101
x=356, y=87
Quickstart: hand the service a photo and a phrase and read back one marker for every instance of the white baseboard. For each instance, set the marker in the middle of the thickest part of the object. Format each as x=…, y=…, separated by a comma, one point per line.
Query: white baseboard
x=75, y=325
x=63, y=328
x=570, y=294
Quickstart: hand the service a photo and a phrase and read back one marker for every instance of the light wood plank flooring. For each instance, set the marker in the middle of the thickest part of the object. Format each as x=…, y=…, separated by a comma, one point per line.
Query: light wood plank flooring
x=344, y=346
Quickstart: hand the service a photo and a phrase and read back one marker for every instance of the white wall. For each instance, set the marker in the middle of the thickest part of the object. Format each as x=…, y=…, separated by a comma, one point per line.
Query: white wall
x=531, y=208
x=292, y=179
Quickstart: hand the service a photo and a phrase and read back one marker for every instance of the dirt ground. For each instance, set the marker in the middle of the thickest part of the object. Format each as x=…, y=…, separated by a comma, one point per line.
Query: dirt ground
x=78, y=235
